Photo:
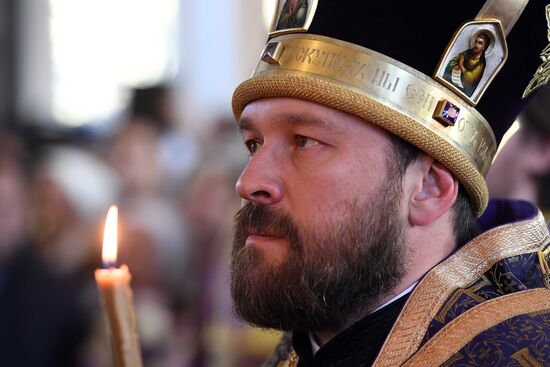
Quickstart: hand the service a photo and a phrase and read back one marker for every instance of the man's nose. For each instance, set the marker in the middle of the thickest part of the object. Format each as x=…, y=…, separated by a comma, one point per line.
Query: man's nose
x=261, y=180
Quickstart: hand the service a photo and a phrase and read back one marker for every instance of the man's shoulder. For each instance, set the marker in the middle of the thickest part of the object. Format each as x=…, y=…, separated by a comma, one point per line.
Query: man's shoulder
x=520, y=340
x=500, y=331
x=494, y=284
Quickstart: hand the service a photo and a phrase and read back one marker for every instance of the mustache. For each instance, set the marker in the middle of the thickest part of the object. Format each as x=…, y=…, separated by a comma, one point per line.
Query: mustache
x=254, y=218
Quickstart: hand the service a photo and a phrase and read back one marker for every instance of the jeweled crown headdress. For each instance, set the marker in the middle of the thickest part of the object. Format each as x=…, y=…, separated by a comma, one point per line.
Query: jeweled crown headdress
x=448, y=77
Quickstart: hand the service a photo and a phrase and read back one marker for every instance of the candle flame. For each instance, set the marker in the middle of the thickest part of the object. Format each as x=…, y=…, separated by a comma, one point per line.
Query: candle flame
x=110, y=237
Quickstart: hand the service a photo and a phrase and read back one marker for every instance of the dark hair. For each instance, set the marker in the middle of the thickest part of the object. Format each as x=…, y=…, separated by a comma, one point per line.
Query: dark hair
x=485, y=38
x=465, y=225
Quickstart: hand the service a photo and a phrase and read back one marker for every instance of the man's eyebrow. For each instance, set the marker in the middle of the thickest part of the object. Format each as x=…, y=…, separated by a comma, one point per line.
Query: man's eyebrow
x=294, y=119
x=303, y=120
x=244, y=124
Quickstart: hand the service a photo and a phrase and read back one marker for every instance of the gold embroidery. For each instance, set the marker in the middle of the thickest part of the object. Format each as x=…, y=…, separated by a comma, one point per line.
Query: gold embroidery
x=542, y=75
x=538, y=313
x=457, y=357
x=455, y=335
x=441, y=316
x=544, y=269
x=525, y=359
x=470, y=292
x=293, y=359
x=506, y=281
x=457, y=271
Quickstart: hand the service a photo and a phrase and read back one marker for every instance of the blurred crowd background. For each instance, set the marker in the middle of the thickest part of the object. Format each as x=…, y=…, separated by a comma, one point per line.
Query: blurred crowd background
x=122, y=102
x=128, y=102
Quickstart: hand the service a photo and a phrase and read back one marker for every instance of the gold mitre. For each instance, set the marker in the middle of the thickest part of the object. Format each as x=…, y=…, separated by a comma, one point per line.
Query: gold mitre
x=372, y=59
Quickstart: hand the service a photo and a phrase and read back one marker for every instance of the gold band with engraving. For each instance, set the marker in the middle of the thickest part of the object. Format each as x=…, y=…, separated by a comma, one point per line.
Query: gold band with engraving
x=380, y=90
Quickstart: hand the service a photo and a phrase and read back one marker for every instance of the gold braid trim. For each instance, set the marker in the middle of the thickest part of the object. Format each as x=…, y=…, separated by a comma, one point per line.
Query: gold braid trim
x=457, y=271
x=455, y=335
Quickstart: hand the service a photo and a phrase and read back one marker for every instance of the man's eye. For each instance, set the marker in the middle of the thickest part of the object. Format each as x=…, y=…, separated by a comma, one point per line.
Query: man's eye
x=303, y=141
x=252, y=146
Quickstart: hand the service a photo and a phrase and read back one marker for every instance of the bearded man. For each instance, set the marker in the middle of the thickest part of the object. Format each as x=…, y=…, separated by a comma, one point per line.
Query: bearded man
x=358, y=233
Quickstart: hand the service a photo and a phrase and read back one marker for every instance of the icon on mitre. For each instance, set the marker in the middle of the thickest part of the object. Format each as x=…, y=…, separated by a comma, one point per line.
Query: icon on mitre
x=293, y=16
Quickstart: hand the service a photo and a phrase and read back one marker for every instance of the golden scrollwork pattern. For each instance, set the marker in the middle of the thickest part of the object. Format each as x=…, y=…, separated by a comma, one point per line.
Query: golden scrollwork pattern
x=542, y=75
x=460, y=332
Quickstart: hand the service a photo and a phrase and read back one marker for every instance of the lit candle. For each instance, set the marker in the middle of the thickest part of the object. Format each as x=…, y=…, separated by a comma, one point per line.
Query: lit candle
x=116, y=295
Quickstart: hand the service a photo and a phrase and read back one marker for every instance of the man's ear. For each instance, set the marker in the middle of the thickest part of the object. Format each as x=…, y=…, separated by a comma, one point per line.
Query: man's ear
x=433, y=194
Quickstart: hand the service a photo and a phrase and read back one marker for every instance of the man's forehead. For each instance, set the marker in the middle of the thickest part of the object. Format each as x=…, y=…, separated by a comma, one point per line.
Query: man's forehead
x=295, y=112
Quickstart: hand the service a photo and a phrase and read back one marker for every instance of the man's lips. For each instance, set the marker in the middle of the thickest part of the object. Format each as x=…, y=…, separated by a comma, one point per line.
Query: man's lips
x=273, y=246
x=261, y=237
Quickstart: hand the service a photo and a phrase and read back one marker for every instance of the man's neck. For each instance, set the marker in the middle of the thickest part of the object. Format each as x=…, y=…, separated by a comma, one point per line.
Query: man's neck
x=427, y=246
x=322, y=337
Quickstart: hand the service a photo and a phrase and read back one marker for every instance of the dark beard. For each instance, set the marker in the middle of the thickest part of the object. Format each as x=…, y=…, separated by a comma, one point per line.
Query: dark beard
x=331, y=275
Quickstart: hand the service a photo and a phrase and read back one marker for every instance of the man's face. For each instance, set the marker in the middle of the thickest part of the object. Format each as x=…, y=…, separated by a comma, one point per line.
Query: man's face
x=318, y=239
x=293, y=5
x=479, y=45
